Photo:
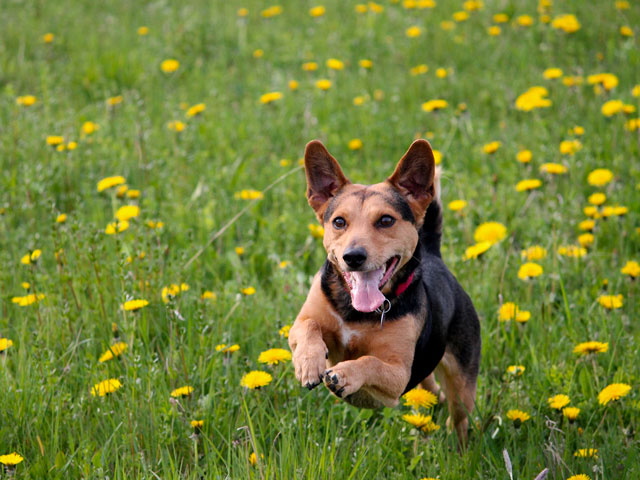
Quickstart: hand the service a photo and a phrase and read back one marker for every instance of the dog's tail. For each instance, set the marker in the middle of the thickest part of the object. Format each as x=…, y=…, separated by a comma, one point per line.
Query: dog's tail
x=431, y=231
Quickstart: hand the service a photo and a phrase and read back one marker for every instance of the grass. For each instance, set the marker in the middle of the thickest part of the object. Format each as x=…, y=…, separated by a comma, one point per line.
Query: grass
x=189, y=180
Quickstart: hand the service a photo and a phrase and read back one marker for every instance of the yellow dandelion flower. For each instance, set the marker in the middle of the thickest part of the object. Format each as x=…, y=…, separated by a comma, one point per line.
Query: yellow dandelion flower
x=552, y=73
x=239, y=250
x=270, y=97
x=283, y=264
x=533, y=98
x=507, y=311
x=494, y=30
x=574, y=251
x=317, y=231
x=248, y=291
x=293, y=85
x=586, y=239
x=457, y=205
x=474, y=251
x=421, y=422
x=591, y=211
x=242, y=12
x=419, y=397
x=196, y=109
x=580, y=476
x=249, y=195
x=460, y=16
x=133, y=305
x=109, y=182
x=143, y=31
x=335, y=64
x=197, y=424
x=524, y=156
x=529, y=184
x=11, y=459
x=26, y=100
x=284, y=331
x=597, y=198
x=133, y=193
x=170, y=65
x=272, y=11
x=105, y=387
x=182, y=391
x=568, y=23
x=529, y=270
x=492, y=232
x=553, y=168
x=355, y=144
x=116, y=227
x=256, y=379
x=631, y=268
x=127, y=212
x=176, y=126
x=600, y=177
x=89, y=127
x=317, y=11
x=570, y=147
x=54, y=140
x=227, y=349
x=612, y=392
x=518, y=417
x=516, y=370
x=323, y=84
x=626, y=31
x=491, y=147
x=536, y=252
x=48, y=37
x=607, y=80
x=113, y=101
x=570, y=413
x=524, y=20
x=434, y=105
x=5, y=343
x=437, y=156
x=441, y=72
x=587, y=225
x=365, y=63
x=114, y=351
x=586, y=348
x=586, y=452
x=309, y=66
x=501, y=18
x=28, y=299
x=208, y=295
x=557, y=402
x=413, y=31
x=274, y=356
x=611, y=302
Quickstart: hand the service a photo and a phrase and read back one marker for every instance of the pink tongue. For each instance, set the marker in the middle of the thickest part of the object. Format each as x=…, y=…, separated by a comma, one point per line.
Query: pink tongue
x=365, y=294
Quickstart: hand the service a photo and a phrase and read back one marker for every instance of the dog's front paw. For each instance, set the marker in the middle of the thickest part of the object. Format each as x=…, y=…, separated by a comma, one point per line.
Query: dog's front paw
x=310, y=365
x=342, y=379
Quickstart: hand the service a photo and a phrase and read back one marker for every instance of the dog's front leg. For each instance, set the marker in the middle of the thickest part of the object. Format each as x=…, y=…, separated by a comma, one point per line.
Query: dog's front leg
x=385, y=381
x=309, y=351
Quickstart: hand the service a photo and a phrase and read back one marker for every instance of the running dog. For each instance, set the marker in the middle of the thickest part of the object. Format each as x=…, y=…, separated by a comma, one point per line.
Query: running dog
x=384, y=312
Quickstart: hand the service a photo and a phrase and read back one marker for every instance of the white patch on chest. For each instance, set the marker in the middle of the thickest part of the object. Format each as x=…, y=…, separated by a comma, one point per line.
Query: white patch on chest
x=346, y=333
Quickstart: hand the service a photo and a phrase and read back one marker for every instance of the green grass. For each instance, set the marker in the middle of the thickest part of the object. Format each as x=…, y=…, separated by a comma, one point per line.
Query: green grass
x=189, y=181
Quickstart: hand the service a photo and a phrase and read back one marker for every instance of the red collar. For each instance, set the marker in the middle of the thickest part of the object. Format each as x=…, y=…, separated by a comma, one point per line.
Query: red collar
x=404, y=285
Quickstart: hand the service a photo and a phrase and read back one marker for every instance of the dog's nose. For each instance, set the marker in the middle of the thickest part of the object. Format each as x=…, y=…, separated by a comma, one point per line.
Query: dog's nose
x=355, y=257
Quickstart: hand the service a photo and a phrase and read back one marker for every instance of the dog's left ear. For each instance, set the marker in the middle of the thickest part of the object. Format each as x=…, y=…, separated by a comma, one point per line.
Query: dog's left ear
x=413, y=177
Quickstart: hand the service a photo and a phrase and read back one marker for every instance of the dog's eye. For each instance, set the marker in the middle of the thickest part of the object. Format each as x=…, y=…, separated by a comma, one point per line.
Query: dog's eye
x=386, y=221
x=339, y=223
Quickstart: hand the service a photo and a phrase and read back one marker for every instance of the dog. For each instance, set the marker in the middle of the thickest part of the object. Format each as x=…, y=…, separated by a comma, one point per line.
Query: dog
x=384, y=312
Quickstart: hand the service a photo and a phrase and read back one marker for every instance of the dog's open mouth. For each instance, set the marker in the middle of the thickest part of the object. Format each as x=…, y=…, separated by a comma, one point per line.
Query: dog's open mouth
x=365, y=287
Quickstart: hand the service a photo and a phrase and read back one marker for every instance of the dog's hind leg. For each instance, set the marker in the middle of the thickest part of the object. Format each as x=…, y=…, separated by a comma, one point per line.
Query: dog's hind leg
x=460, y=390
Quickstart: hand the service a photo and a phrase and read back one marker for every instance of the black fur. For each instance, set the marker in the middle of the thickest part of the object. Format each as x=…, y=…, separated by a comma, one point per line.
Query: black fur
x=434, y=295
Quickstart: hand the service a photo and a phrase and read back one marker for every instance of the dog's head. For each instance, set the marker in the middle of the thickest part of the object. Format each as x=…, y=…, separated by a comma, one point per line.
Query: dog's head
x=370, y=231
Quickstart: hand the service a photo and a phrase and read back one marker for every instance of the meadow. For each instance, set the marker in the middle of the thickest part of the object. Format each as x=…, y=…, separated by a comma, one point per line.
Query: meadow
x=156, y=243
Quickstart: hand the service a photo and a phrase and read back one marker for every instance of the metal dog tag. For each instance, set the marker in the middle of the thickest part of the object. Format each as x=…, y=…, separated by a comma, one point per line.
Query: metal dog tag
x=386, y=306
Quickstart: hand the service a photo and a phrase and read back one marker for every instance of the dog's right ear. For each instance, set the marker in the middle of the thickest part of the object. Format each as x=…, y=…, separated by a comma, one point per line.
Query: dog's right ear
x=324, y=176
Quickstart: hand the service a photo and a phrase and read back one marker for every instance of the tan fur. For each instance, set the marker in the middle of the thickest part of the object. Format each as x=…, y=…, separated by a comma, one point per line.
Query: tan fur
x=460, y=394
x=361, y=218
x=364, y=357
x=369, y=363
